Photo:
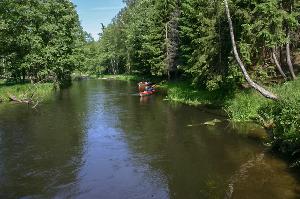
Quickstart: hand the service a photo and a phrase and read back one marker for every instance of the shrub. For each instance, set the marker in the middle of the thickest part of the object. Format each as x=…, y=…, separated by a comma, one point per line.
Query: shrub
x=285, y=117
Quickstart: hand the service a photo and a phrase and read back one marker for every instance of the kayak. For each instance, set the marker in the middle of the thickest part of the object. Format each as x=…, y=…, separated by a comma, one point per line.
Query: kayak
x=147, y=93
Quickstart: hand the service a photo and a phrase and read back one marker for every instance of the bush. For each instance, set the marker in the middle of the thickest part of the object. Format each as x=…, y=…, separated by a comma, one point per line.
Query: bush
x=284, y=115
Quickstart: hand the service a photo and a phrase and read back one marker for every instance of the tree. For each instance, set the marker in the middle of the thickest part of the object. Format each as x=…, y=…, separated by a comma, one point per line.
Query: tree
x=40, y=40
x=191, y=38
x=290, y=22
x=260, y=89
x=172, y=39
x=277, y=63
x=268, y=25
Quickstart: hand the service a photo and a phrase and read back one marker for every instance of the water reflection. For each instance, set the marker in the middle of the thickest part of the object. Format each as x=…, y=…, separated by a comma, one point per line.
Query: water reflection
x=41, y=150
x=200, y=161
x=111, y=170
x=100, y=140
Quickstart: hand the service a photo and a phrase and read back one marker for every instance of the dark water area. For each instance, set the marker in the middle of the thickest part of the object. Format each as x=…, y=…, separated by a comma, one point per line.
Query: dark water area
x=99, y=139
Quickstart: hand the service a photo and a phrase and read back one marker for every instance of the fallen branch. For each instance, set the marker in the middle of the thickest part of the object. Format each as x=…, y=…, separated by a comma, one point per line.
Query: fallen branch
x=15, y=99
x=29, y=96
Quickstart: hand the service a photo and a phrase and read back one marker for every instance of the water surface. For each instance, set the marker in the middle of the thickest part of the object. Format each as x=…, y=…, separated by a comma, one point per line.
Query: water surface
x=100, y=140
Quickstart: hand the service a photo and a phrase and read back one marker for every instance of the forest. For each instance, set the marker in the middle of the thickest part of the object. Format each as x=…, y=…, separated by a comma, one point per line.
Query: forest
x=218, y=47
x=192, y=39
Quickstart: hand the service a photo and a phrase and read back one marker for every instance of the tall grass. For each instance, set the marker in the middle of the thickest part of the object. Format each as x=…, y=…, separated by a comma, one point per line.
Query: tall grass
x=25, y=91
x=137, y=78
x=122, y=77
x=244, y=106
x=183, y=92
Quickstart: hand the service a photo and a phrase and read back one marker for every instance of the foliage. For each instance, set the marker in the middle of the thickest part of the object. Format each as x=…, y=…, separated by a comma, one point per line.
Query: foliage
x=284, y=117
x=25, y=91
x=90, y=59
x=192, y=37
x=39, y=39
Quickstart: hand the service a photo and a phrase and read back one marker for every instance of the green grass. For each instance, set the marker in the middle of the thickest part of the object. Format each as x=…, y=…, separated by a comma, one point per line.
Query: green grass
x=25, y=91
x=289, y=89
x=183, y=92
x=245, y=105
x=242, y=106
x=122, y=77
x=136, y=78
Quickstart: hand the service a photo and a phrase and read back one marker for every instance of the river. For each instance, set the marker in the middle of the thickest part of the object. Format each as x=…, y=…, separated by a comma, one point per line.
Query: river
x=98, y=139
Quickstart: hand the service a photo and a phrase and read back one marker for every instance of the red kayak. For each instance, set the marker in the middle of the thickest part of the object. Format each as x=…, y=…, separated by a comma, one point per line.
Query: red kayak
x=147, y=93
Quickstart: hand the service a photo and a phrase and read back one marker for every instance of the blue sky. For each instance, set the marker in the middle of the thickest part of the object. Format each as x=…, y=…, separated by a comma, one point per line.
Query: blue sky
x=94, y=12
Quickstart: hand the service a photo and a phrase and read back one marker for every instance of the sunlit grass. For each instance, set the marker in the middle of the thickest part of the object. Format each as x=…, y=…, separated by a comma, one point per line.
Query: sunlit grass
x=122, y=77
x=184, y=93
x=25, y=91
x=244, y=106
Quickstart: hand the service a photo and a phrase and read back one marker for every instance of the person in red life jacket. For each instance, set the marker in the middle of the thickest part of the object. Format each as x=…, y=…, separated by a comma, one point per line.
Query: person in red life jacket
x=146, y=86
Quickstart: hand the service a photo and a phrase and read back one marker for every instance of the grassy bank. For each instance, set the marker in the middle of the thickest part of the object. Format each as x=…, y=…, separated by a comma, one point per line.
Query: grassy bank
x=25, y=91
x=183, y=92
x=247, y=105
x=241, y=106
x=282, y=117
x=137, y=78
x=122, y=77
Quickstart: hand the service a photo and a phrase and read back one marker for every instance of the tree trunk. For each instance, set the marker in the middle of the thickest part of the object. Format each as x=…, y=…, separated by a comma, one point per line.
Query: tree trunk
x=281, y=57
x=128, y=62
x=15, y=99
x=257, y=87
x=277, y=63
x=288, y=56
x=172, y=41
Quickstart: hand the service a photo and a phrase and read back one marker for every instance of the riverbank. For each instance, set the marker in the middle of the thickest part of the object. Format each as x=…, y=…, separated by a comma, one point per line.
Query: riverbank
x=281, y=117
x=241, y=106
x=35, y=92
x=121, y=77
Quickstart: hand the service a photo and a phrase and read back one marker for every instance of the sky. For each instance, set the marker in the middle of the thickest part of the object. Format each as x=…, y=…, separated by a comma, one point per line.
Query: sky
x=94, y=12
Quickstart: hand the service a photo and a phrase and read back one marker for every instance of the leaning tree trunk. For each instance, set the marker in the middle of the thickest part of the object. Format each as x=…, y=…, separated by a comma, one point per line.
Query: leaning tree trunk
x=277, y=63
x=257, y=87
x=288, y=56
x=288, y=50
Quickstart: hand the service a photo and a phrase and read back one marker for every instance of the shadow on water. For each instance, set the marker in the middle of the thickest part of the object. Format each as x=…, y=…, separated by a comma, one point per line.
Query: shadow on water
x=100, y=140
x=41, y=150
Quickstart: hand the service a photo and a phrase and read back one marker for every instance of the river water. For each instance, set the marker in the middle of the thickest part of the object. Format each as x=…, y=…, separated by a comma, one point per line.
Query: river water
x=99, y=139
